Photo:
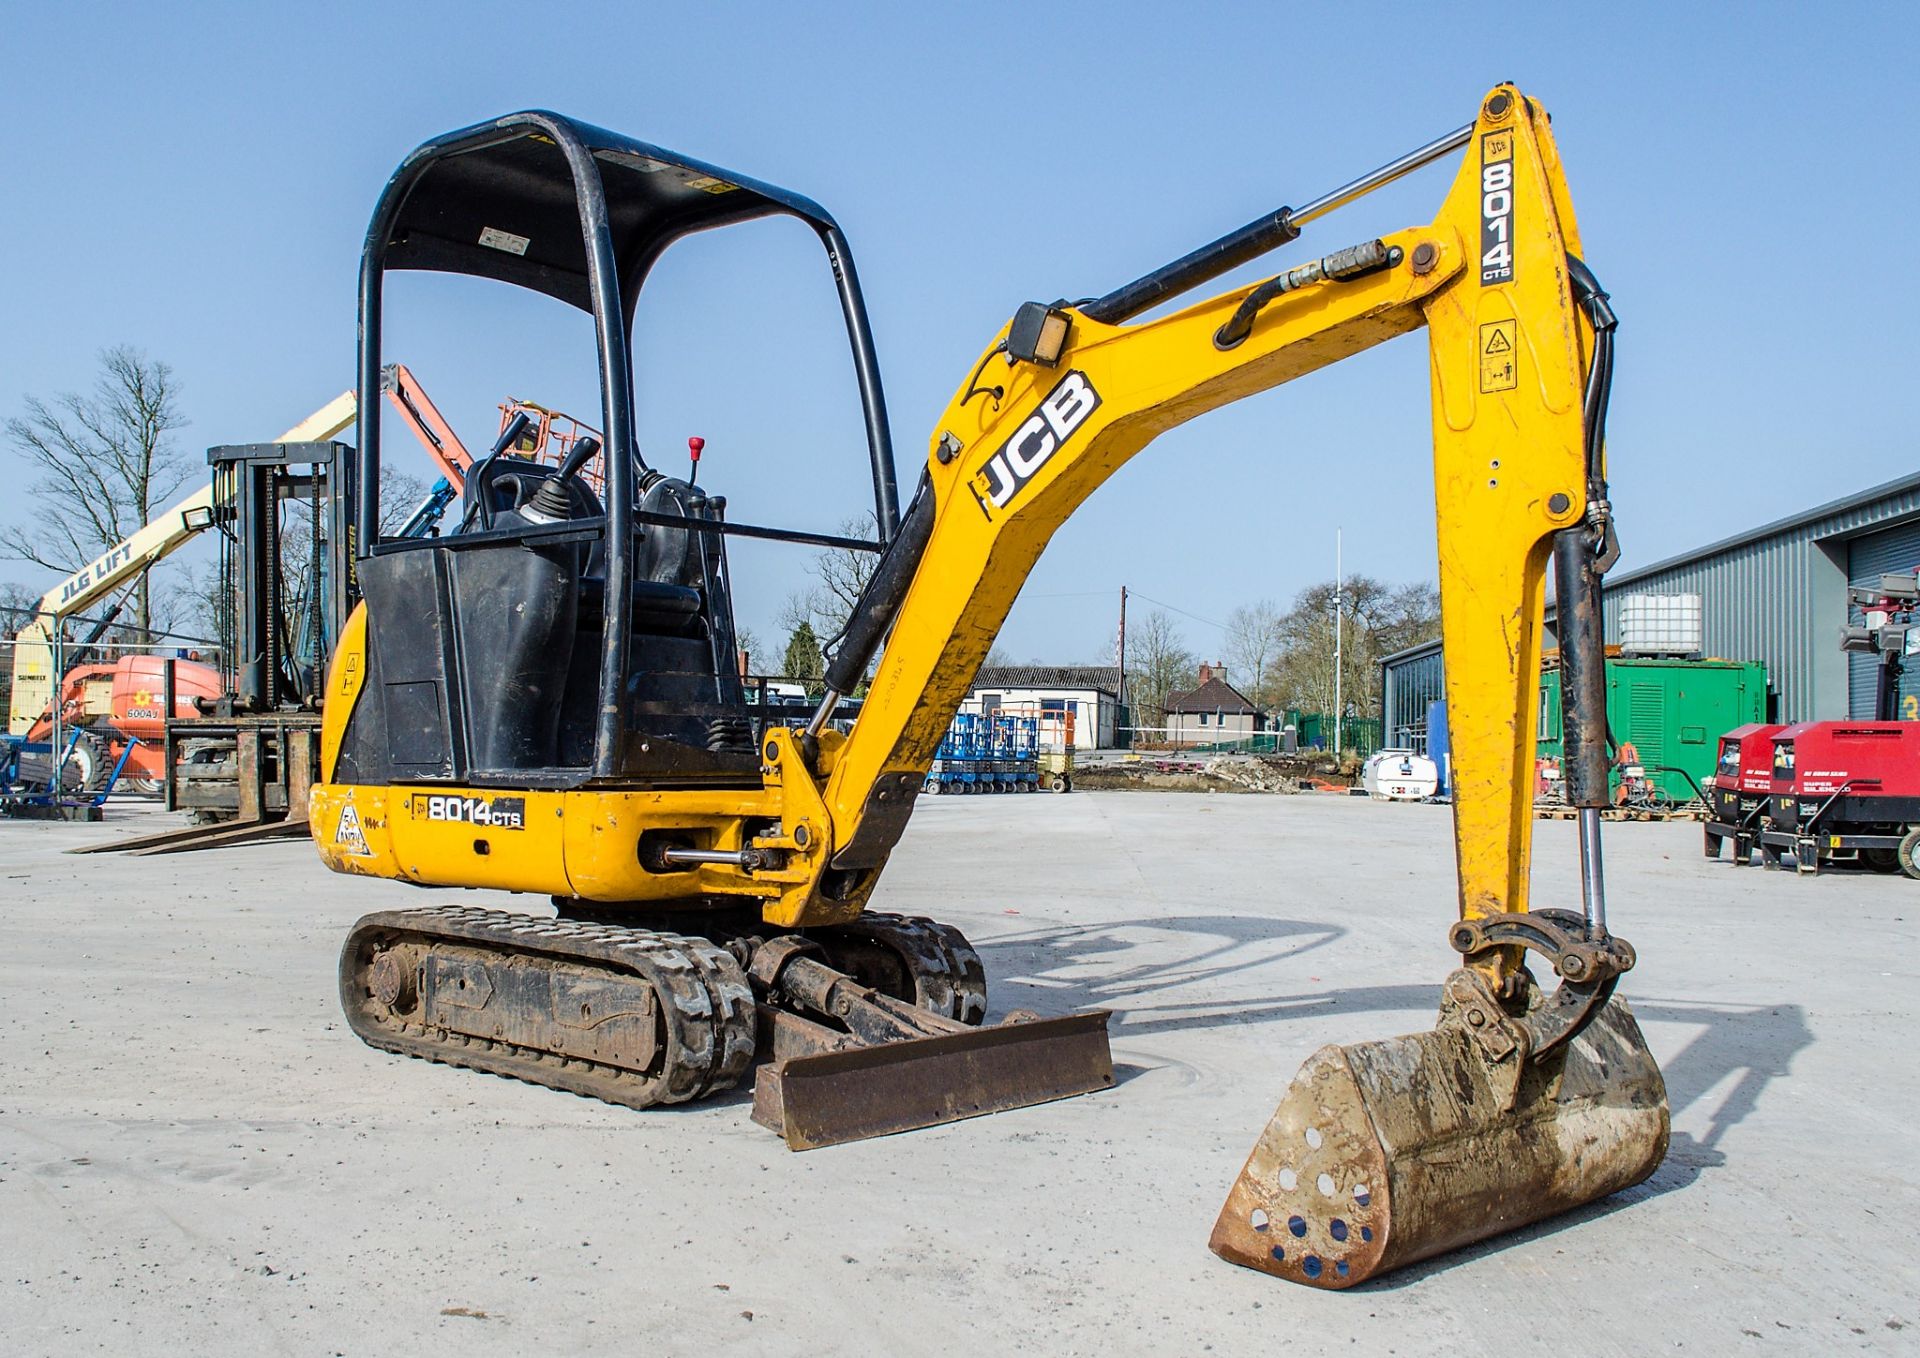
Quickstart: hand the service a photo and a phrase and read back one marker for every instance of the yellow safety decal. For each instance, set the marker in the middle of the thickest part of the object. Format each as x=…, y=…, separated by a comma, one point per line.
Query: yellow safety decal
x=1498, y=369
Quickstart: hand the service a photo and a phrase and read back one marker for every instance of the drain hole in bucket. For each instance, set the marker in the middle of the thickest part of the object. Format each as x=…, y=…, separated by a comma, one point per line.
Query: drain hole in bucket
x=1366, y=1233
x=1361, y=1195
x=1289, y=1180
x=1326, y=1184
x=1279, y=1255
x=1258, y=1219
x=1337, y=1229
x=1311, y=1266
x=1298, y=1225
x=1314, y=1138
x=1341, y=1268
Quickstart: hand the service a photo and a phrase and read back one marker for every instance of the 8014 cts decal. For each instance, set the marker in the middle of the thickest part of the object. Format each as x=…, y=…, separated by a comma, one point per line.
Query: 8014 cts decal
x=498, y=813
x=1496, y=208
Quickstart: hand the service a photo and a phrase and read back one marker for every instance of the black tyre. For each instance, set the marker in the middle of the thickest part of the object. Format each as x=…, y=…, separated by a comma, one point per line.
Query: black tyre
x=1908, y=854
x=87, y=766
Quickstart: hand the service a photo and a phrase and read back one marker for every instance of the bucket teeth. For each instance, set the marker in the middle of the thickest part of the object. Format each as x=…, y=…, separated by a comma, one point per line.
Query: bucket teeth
x=1384, y=1153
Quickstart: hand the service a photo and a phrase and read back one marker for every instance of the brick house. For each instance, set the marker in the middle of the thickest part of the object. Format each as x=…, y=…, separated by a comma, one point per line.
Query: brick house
x=1212, y=710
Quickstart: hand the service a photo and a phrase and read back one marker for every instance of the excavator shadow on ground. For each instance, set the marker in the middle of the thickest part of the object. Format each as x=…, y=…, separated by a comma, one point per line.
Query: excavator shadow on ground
x=1062, y=969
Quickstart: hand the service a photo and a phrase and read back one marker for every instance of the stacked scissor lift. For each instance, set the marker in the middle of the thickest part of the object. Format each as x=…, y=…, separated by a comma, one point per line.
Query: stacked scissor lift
x=1007, y=750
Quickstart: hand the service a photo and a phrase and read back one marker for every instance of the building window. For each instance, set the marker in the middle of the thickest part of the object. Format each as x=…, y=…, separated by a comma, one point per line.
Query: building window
x=1203, y=719
x=989, y=702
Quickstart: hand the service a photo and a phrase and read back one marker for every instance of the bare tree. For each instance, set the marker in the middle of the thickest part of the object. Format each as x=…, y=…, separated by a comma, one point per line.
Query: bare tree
x=1158, y=663
x=106, y=463
x=747, y=642
x=1376, y=620
x=1253, y=647
x=17, y=604
x=842, y=575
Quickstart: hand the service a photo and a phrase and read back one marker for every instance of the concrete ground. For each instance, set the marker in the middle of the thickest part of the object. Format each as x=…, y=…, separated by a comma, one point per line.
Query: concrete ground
x=197, y=1157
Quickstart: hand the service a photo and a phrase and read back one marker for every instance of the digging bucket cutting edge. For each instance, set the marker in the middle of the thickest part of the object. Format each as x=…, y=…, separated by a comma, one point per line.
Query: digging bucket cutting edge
x=867, y=1091
x=1385, y=1153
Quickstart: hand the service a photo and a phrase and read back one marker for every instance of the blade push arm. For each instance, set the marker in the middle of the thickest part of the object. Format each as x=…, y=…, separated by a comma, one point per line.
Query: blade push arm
x=1024, y=444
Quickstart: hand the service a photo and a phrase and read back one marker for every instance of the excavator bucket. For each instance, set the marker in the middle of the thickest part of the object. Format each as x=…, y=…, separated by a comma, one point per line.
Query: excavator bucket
x=864, y=1091
x=1384, y=1153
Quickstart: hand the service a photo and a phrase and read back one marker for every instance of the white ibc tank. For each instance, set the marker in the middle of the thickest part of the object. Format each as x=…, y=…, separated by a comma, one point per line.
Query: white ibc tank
x=1660, y=624
x=1399, y=776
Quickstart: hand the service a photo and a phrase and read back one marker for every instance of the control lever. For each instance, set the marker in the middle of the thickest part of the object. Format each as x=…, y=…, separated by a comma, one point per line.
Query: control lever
x=481, y=472
x=552, y=499
x=518, y=425
x=695, y=446
x=581, y=454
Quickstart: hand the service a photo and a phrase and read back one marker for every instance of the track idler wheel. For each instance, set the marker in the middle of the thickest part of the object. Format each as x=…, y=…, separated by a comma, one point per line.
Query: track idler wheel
x=1510, y=1111
x=918, y=960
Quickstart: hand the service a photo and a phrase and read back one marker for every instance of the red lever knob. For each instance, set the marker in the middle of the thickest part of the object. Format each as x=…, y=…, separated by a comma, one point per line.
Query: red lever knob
x=695, y=445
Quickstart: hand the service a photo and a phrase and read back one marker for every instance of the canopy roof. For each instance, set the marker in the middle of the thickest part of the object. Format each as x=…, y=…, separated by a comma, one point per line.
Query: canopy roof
x=499, y=200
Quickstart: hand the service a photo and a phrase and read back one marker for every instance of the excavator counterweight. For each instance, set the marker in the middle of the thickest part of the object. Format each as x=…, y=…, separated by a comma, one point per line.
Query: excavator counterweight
x=547, y=700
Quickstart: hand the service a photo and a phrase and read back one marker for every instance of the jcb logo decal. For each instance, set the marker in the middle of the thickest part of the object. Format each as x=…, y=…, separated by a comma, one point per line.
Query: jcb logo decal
x=1021, y=457
x=1496, y=208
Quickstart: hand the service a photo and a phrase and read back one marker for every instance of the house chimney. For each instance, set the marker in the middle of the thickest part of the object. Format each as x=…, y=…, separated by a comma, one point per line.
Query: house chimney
x=1206, y=673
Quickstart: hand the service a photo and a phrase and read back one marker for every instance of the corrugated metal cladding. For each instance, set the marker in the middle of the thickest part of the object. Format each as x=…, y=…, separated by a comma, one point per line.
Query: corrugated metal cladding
x=1407, y=687
x=1893, y=552
x=1776, y=594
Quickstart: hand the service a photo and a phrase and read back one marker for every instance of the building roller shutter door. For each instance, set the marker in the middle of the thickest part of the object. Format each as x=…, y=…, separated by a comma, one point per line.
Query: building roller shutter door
x=1894, y=551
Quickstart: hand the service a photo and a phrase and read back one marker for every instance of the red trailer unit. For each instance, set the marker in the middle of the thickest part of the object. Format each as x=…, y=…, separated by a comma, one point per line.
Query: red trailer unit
x=1845, y=792
x=1737, y=796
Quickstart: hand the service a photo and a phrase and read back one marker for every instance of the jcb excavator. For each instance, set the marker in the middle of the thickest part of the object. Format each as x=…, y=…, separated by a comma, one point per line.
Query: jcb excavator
x=546, y=701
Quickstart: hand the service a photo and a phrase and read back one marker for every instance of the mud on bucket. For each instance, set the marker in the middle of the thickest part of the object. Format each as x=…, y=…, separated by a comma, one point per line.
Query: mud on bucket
x=1384, y=1153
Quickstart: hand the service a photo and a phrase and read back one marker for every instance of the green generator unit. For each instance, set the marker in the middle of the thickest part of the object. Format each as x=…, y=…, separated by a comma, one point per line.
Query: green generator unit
x=1674, y=711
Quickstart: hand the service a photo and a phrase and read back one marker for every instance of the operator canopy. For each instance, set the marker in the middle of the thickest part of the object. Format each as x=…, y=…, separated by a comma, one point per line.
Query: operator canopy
x=499, y=200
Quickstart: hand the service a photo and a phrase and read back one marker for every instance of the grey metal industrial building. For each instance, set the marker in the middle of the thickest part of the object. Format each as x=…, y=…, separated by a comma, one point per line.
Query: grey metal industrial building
x=1776, y=593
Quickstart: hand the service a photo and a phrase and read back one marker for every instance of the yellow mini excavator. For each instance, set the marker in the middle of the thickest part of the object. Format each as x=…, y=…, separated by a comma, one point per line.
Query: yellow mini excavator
x=547, y=701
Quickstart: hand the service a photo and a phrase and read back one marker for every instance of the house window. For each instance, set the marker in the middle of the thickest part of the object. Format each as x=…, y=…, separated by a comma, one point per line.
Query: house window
x=1203, y=719
x=1053, y=704
x=989, y=702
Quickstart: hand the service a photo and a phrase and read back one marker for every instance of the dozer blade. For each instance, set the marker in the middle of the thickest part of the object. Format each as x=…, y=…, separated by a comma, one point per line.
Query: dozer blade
x=1384, y=1153
x=849, y=1095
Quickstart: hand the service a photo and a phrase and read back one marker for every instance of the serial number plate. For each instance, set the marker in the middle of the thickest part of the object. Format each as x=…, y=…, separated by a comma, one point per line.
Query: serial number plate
x=499, y=813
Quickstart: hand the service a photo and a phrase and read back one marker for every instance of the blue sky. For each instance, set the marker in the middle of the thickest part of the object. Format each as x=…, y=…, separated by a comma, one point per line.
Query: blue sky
x=196, y=180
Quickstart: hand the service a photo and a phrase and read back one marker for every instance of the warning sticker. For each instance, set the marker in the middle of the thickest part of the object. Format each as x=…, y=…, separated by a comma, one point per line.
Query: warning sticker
x=348, y=835
x=1498, y=369
x=497, y=239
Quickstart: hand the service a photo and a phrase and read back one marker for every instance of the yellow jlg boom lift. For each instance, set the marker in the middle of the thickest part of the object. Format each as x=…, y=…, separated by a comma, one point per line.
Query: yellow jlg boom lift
x=547, y=702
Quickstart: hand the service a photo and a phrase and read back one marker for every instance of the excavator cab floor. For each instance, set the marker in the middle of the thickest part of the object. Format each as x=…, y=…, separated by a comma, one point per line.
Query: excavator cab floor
x=1384, y=1153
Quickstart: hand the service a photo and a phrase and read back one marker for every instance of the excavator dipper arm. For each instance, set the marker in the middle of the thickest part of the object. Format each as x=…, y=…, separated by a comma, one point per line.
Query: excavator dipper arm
x=1516, y=1105
x=1026, y=442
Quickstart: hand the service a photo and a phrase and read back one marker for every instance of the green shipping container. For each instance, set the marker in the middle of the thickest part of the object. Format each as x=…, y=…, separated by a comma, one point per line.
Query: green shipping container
x=1674, y=711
